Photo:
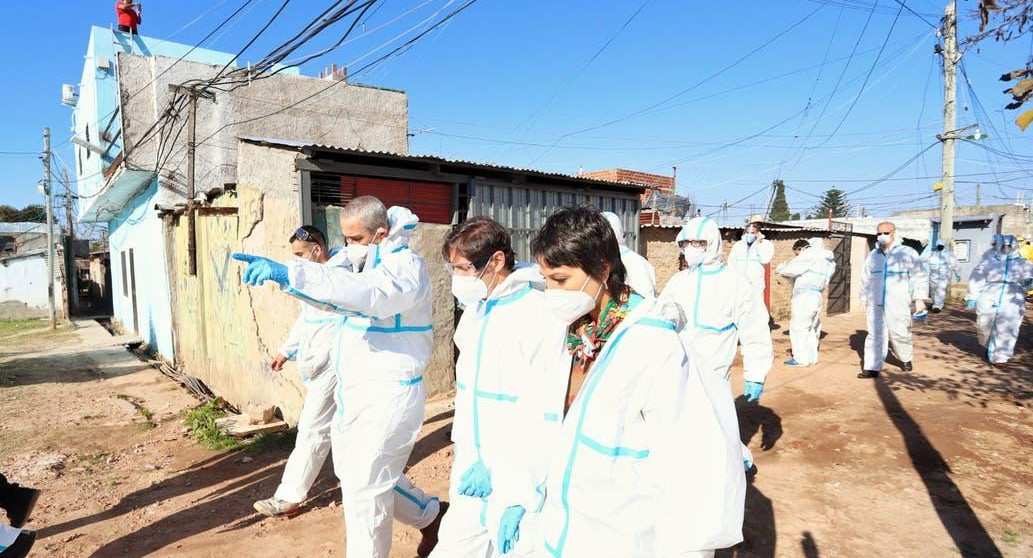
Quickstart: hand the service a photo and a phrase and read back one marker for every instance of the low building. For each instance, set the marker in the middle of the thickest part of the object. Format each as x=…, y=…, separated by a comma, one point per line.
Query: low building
x=973, y=236
x=24, y=288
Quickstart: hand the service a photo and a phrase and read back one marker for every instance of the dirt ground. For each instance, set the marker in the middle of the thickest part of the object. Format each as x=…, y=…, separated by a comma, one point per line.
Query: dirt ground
x=924, y=464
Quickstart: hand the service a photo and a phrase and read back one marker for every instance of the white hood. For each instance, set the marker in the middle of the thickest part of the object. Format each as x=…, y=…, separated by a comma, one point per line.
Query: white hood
x=703, y=228
x=615, y=224
x=401, y=223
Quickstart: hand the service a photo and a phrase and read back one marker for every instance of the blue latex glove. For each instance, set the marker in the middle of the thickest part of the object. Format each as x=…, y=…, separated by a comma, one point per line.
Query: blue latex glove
x=746, y=464
x=957, y=278
x=509, y=528
x=970, y=304
x=752, y=391
x=476, y=481
x=260, y=269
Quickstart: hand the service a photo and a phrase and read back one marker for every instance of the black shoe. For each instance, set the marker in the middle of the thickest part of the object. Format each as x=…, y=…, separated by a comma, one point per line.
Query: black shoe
x=868, y=374
x=19, y=503
x=936, y=310
x=21, y=546
x=907, y=367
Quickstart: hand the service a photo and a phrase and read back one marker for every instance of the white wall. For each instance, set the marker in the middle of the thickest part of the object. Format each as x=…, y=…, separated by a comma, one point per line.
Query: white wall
x=23, y=288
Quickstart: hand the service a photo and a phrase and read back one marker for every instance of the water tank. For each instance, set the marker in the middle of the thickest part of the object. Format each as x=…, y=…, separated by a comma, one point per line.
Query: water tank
x=69, y=96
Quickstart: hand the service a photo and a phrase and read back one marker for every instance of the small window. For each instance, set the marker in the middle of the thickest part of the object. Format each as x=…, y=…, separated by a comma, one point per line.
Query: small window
x=963, y=250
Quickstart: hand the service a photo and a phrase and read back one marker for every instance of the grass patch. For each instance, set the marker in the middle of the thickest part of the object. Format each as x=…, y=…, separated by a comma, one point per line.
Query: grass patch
x=9, y=327
x=201, y=420
x=1010, y=537
x=148, y=416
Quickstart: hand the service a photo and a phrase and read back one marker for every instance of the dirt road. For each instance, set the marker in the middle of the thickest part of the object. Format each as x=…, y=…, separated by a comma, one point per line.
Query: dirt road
x=924, y=464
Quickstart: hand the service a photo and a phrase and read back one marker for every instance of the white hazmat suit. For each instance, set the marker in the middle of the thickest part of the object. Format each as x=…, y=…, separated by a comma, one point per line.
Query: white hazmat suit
x=891, y=279
x=509, y=348
x=643, y=466
x=721, y=312
x=750, y=261
x=641, y=274
x=943, y=266
x=811, y=272
x=998, y=286
x=383, y=344
x=312, y=344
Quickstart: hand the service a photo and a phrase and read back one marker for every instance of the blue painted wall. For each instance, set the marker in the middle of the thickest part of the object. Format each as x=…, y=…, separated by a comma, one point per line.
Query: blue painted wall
x=138, y=228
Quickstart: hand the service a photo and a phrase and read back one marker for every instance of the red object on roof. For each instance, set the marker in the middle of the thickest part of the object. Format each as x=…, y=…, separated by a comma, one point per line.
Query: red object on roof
x=127, y=16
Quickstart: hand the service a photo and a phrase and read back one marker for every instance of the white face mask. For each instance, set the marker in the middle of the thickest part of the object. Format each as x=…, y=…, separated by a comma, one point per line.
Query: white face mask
x=359, y=253
x=468, y=289
x=694, y=256
x=568, y=306
x=884, y=239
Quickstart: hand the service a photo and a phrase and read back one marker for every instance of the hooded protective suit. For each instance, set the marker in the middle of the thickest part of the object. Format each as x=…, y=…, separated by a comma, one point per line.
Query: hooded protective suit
x=383, y=345
x=811, y=272
x=943, y=266
x=749, y=261
x=892, y=278
x=720, y=313
x=721, y=309
x=312, y=344
x=509, y=350
x=641, y=275
x=643, y=466
x=998, y=286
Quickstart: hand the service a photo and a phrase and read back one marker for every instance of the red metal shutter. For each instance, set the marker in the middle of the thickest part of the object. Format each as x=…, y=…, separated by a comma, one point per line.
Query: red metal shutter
x=431, y=201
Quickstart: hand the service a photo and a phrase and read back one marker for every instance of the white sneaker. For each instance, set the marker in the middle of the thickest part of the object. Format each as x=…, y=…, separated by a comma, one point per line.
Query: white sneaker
x=274, y=507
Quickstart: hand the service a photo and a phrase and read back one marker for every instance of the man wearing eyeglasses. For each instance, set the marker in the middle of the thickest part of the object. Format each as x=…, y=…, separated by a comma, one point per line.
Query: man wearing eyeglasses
x=380, y=294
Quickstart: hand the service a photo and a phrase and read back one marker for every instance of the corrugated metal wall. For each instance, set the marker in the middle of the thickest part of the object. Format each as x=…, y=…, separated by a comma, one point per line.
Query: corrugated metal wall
x=523, y=208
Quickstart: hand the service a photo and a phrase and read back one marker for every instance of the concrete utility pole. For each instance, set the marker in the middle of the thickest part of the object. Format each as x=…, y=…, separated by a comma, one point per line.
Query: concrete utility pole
x=191, y=186
x=950, y=62
x=73, y=275
x=47, y=192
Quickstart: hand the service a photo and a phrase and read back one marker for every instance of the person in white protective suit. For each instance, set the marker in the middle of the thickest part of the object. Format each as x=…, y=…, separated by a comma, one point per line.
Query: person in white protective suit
x=643, y=466
x=811, y=270
x=892, y=278
x=942, y=267
x=509, y=349
x=383, y=346
x=749, y=257
x=997, y=291
x=641, y=274
x=311, y=345
x=721, y=312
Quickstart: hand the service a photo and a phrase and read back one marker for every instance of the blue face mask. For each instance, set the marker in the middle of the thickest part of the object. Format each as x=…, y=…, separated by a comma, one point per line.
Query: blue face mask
x=750, y=238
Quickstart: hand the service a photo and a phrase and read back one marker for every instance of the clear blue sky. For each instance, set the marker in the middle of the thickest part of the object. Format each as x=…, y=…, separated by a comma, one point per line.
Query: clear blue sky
x=595, y=84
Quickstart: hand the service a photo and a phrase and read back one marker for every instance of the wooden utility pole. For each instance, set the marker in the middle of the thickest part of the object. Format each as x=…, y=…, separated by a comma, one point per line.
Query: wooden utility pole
x=950, y=62
x=191, y=186
x=47, y=191
x=73, y=275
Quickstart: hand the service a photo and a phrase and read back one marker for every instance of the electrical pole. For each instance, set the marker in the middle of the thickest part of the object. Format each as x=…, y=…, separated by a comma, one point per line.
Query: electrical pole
x=950, y=61
x=47, y=191
x=73, y=275
x=191, y=186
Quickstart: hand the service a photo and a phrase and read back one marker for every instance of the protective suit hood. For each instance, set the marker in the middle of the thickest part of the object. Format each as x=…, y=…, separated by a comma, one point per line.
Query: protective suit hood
x=703, y=228
x=615, y=224
x=401, y=223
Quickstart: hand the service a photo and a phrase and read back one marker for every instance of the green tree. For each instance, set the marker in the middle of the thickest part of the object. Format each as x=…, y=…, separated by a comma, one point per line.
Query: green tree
x=834, y=199
x=779, y=207
x=33, y=213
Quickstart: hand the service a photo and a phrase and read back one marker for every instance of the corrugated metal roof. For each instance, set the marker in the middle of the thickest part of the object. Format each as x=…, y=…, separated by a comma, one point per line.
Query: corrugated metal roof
x=27, y=228
x=294, y=144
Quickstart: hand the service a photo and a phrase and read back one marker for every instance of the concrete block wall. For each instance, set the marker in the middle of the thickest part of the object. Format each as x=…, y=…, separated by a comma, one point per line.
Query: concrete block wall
x=657, y=245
